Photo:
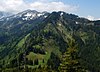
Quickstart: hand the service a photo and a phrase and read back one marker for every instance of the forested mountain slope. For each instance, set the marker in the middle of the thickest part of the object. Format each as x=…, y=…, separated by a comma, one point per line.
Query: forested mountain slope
x=35, y=39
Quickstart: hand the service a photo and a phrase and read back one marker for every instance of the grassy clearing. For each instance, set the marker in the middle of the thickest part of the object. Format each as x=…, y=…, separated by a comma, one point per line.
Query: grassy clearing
x=21, y=42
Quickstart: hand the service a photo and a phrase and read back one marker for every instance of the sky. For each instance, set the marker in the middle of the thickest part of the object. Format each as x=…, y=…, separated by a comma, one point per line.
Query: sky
x=84, y=8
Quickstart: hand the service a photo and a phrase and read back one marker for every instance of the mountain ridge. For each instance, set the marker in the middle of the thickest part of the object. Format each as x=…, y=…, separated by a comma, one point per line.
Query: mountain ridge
x=39, y=37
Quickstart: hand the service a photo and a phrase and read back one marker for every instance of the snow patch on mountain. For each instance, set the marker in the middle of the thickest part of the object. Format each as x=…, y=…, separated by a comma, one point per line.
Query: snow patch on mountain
x=45, y=16
x=28, y=15
x=33, y=15
x=61, y=13
x=39, y=14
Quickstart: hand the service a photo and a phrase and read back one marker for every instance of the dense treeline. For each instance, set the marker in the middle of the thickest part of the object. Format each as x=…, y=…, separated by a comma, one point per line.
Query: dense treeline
x=68, y=62
x=55, y=44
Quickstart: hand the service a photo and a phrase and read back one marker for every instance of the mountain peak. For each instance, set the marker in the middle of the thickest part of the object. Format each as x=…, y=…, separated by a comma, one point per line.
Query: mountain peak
x=27, y=15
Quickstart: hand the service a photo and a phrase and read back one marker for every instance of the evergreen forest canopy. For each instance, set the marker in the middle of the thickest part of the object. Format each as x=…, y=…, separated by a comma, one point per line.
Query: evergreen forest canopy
x=49, y=42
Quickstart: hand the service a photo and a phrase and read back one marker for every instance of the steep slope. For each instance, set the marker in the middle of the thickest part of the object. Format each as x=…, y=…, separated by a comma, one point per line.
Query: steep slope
x=50, y=36
x=59, y=30
x=14, y=28
x=19, y=24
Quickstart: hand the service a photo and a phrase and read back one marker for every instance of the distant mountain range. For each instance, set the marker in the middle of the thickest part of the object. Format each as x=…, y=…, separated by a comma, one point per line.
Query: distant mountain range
x=31, y=35
x=5, y=14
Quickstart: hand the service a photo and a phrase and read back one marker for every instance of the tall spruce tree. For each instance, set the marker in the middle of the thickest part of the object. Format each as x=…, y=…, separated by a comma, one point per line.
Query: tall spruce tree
x=70, y=60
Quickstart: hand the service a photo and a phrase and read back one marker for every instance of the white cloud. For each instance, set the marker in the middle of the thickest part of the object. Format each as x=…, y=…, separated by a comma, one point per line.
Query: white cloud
x=92, y=18
x=52, y=6
x=12, y=5
x=39, y=5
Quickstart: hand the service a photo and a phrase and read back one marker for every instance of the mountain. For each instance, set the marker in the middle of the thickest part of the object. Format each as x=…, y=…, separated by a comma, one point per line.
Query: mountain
x=5, y=14
x=36, y=39
x=19, y=24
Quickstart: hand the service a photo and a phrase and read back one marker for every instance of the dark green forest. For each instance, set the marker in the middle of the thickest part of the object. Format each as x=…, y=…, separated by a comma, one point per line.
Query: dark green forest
x=57, y=43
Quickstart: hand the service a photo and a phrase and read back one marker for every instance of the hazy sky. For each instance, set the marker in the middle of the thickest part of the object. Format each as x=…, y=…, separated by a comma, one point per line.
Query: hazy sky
x=86, y=8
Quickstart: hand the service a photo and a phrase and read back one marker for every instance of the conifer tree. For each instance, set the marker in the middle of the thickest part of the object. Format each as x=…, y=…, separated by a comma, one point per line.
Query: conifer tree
x=70, y=60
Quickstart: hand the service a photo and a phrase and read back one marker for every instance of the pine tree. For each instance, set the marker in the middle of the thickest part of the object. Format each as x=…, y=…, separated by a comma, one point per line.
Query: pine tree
x=70, y=60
